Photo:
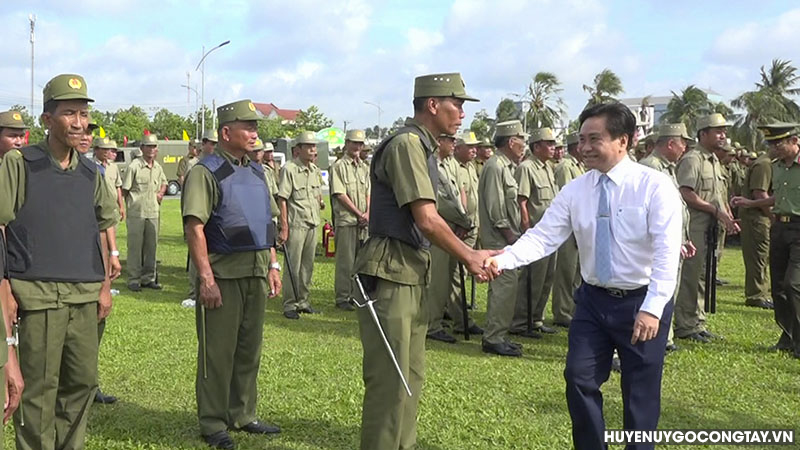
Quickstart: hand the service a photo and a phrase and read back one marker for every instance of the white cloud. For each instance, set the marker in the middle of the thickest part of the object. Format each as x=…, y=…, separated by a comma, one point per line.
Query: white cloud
x=421, y=41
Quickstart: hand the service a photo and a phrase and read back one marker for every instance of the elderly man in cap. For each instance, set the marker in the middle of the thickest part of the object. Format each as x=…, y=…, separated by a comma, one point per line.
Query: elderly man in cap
x=52, y=196
x=350, y=193
x=537, y=188
x=143, y=187
x=12, y=132
x=209, y=142
x=262, y=154
x=226, y=212
x=485, y=151
x=300, y=200
x=188, y=161
x=451, y=203
x=403, y=225
x=501, y=221
x=567, y=275
x=784, y=145
x=699, y=176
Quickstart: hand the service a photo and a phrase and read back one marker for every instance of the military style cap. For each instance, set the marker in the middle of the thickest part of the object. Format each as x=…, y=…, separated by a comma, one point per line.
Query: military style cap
x=149, y=139
x=572, y=138
x=210, y=135
x=729, y=149
x=447, y=135
x=66, y=87
x=306, y=137
x=738, y=146
x=259, y=146
x=542, y=134
x=752, y=155
x=93, y=124
x=778, y=130
x=467, y=138
x=241, y=110
x=510, y=128
x=712, y=121
x=355, y=136
x=194, y=142
x=268, y=147
x=674, y=130
x=441, y=85
x=12, y=119
x=485, y=142
x=104, y=143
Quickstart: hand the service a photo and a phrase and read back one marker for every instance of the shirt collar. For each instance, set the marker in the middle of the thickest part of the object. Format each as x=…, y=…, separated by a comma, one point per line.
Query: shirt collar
x=617, y=173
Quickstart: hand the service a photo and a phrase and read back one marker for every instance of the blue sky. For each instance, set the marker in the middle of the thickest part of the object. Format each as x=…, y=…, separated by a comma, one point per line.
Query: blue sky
x=339, y=53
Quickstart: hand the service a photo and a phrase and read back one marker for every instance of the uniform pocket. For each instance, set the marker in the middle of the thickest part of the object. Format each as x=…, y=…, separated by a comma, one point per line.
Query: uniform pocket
x=545, y=193
x=707, y=183
x=631, y=223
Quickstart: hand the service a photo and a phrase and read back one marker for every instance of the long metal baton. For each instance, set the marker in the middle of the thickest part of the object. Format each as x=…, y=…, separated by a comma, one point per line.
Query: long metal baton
x=472, y=292
x=464, y=312
x=289, y=270
x=368, y=304
x=21, y=410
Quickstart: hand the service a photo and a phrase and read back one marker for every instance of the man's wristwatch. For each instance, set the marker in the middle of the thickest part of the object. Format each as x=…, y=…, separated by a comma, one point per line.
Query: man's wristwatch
x=114, y=252
x=275, y=266
x=12, y=341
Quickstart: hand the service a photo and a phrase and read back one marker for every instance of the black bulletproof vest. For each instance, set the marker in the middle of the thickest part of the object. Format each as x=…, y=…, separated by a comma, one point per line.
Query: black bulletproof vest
x=55, y=236
x=387, y=219
x=242, y=220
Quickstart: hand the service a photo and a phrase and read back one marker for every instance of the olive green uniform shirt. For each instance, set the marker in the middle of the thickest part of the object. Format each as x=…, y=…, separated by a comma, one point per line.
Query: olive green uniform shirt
x=404, y=167
x=113, y=180
x=351, y=178
x=448, y=194
x=38, y=295
x=185, y=164
x=272, y=185
x=661, y=164
x=537, y=184
x=300, y=186
x=200, y=196
x=758, y=177
x=468, y=180
x=497, y=203
x=567, y=170
x=786, y=187
x=700, y=170
x=142, y=184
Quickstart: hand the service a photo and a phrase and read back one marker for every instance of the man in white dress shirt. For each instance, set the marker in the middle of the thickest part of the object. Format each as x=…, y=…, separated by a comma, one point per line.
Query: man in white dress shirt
x=627, y=220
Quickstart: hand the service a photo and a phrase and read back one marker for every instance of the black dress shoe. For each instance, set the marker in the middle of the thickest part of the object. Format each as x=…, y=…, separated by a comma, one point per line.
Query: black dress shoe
x=779, y=348
x=259, y=427
x=721, y=282
x=561, y=324
x=104, y=399
x=307, y=310
x=502, y=349
x=763, y=304
x=544, y=329
x=291, y=315
x=697, y=337
x=671, y=348
x=514, y=344
x=533, y=334
x=220, y=439
x=152, y=285
x=473, y=329
x=345, y=306
x=616, y=366
x=135, y=287
x=710, y=336
x=441, y=336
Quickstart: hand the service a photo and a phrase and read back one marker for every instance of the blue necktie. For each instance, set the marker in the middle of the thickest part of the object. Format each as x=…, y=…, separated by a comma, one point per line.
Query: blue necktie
x=602, y=236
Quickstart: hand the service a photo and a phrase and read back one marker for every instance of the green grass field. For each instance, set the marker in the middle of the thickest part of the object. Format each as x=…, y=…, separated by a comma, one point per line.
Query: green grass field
x=310, y=378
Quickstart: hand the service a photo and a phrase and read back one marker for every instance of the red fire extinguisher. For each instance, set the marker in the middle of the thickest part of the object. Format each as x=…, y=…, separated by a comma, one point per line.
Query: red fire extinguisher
x=328, y=241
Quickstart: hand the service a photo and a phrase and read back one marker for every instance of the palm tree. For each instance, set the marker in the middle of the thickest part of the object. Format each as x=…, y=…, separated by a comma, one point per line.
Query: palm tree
x=607, y=86
x=546, y=106
x=780, y=81
x=686, y=107
x=762, y=106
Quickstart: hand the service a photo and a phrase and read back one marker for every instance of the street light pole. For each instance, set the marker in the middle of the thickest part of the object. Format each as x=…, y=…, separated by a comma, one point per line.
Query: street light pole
x=197, y=130
x=202, y=65
x=378, y=106
x=32, y=19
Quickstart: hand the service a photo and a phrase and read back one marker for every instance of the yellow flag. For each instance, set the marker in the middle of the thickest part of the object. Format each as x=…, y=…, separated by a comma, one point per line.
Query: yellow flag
x=102, y=132
x=185, y=135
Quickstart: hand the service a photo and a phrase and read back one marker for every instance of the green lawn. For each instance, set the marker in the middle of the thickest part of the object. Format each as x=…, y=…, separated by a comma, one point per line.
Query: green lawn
x=310, y=379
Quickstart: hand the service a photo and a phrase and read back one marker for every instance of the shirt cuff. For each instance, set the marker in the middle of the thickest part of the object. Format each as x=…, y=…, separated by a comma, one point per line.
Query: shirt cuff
x=654, y=305
x=505, y=260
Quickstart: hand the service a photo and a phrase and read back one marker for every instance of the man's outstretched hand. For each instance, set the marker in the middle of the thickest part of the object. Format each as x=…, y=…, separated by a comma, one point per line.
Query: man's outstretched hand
x=476, y=264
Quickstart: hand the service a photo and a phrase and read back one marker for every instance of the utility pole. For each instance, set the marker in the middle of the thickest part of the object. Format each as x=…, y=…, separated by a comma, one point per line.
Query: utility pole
x=32, y=19
x=188, y=91
x=345, y=125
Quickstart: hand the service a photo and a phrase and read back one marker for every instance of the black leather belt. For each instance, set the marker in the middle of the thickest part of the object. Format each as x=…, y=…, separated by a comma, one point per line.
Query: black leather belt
x=621, y=293
x=787, y=218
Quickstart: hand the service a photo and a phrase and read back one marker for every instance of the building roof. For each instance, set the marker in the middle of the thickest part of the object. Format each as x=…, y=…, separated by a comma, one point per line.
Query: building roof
x=270, y=110
x=662, y=99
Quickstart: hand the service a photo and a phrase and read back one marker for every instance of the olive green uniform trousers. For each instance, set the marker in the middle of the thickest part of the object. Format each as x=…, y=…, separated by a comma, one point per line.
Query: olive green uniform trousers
x=229, y=355
x=347, y=246
x=389, y=416
x=302, y=244
x=58, y=358
x=142, y=246
x=540, y=276
x=502, y=299
x=689, y=315
x=567, y=278
x=755, y=253
x=444, y=290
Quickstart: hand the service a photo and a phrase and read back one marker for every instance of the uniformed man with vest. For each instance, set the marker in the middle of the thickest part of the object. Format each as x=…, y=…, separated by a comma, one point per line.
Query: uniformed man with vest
x=567, y=276
x=52, y=196
x=500, y=220
x=537, y=189
x=784, y=145
x=209, y=142
x=12, y=132
x=300, y=201
x=670, y=146
x=143, y=187
x=188, y=161
x=350, y=192
x=226, y=214
x=699, y=178
x=485, y=151
x=393, y=265
x=451, y=203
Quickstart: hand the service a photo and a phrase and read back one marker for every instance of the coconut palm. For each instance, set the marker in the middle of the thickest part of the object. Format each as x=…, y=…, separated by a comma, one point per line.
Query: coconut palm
x=780, y=80
x=761, y=106
x=546, y=105
x=607, y=86
x=686, y=107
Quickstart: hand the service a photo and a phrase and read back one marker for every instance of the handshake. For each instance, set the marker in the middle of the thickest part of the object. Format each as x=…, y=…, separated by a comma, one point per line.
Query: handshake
x=483, y=265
